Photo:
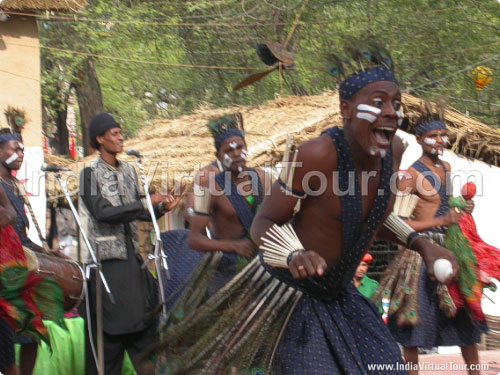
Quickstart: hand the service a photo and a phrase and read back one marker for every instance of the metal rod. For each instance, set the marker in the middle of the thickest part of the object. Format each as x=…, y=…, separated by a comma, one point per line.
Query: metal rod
x=159, y=256
x=83, y=233
x=99, y=278
x=99, y=324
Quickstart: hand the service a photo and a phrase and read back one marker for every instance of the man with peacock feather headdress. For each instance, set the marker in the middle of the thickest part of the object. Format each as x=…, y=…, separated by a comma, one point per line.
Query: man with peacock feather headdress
x=219, y=211
x=335, y=227
x=307, y=317
x=435, y=318
x=230, y=197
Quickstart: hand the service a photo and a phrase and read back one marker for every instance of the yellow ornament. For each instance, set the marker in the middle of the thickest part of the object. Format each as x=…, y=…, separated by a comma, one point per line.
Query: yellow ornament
x=481, y=75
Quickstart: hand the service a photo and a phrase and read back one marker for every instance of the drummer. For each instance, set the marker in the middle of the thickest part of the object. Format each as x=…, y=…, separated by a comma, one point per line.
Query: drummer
x=11, y=158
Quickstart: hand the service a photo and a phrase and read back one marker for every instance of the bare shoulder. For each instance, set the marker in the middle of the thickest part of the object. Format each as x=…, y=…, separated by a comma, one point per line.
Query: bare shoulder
x=318, y=153
x=204, y=174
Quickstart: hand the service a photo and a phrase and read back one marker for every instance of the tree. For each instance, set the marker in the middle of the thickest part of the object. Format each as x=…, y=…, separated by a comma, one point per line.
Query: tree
x=138, y=47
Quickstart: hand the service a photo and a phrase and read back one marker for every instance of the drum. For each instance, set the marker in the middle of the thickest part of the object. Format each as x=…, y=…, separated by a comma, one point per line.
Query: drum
x=67, y=273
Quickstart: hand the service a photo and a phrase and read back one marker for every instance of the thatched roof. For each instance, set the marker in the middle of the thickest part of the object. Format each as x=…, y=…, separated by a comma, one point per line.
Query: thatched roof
x=43, y=5
x=186, y=144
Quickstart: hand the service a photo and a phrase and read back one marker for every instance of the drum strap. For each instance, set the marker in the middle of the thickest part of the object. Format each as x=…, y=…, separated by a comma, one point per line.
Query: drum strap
x=22, y=191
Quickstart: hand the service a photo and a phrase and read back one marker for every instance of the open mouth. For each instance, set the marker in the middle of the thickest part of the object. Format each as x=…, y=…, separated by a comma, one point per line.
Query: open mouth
x=383, y=135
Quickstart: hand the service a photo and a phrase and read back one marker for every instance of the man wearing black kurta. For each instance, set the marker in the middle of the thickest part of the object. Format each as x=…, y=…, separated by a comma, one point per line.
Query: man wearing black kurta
x=112, y=204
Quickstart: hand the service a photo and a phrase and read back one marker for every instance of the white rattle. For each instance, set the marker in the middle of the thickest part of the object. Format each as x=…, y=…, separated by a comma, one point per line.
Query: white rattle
x=442, y=269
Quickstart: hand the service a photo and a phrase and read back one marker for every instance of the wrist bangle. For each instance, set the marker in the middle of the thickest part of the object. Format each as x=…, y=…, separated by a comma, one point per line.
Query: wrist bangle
x=403, y=231
x=412, y=237
x=293, y=254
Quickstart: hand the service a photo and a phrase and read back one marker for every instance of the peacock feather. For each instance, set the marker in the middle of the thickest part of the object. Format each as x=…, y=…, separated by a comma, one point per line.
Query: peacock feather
x=220, y=125
x=16, y=118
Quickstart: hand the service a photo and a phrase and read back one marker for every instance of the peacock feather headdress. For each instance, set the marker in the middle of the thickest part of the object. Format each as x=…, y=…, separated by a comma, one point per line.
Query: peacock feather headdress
x=367, y=62
x=430, y=118
x=225, y=127
x=16, y=119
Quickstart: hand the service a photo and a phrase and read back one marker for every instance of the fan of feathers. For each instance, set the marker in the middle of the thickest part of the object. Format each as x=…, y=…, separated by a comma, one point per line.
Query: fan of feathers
x=362, y=55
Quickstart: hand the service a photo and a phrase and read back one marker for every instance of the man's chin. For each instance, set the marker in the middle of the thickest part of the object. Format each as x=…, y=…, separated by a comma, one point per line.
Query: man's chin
x=377, y=151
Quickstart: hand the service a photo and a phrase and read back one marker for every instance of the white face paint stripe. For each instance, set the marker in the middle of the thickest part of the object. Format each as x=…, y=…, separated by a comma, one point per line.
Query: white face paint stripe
x=445, y=139
x=233, y=145
x=400, y=122
x=399, y=114
x=369, y=108
x=244, y=154
x=12, y=158
x=429, y=141
x=380, y=151
x=366, y=116
x=227, y=161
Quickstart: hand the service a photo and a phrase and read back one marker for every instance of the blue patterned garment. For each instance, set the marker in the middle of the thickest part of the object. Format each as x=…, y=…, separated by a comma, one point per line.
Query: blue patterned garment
x=182, y=261
x=334, y=329
x=22, y=223
x=434, y=328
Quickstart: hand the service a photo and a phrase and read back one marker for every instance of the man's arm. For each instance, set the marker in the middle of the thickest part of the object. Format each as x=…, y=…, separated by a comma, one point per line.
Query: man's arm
x=197, y=239
x=316, y=155
x=429, y=251
x=201, y=178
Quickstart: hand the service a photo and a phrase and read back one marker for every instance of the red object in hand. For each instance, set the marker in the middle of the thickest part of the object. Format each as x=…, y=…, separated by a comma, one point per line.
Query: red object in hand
x=469, y=190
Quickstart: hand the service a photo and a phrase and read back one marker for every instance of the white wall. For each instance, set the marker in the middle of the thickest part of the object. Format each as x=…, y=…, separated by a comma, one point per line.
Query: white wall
x=34, y=183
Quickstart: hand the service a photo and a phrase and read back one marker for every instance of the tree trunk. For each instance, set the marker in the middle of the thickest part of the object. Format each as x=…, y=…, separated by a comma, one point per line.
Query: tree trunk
x=88, y=92
x=62, y=131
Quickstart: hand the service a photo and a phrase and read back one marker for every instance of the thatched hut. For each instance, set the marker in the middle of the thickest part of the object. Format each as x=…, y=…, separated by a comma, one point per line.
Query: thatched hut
x=42, y=5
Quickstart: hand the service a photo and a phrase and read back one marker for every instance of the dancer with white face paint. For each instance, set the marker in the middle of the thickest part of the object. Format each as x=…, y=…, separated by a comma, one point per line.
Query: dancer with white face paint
x=429, y=179
x=11, y=159
x=236, y=188
x=223, y=204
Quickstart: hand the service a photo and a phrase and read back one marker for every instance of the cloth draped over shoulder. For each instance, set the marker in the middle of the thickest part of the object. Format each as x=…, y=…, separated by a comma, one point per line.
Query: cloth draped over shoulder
x=22, y=223
x=265, y=322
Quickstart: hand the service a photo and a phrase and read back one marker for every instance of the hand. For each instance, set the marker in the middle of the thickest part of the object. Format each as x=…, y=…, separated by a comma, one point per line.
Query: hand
x=453, y=216
x=244, y=248
x=172, y=199
x=469, y=206
x=431, y=252
x=156, y=198
x=307, y=264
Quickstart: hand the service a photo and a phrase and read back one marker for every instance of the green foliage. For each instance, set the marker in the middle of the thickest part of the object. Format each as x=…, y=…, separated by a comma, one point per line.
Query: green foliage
x=434, y=44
